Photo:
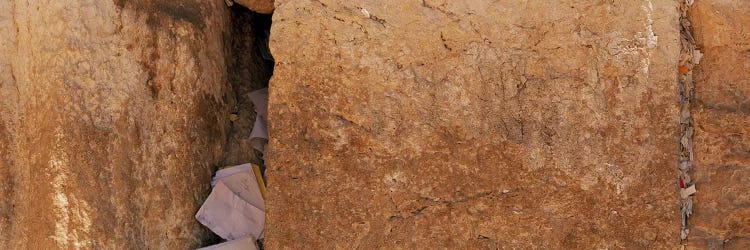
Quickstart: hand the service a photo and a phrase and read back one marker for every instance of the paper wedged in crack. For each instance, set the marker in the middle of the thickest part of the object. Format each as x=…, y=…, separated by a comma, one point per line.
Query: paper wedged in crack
x=259, y=134
x=229, y=215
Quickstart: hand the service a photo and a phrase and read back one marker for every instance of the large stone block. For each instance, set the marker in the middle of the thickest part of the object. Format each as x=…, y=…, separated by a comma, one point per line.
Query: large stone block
x=722, y=121
x=112, y=116
x=468, y=124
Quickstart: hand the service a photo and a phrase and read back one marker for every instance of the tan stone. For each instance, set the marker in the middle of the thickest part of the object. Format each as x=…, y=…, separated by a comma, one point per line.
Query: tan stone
x=394, y=124
x=722, y=118
x=112, y=117
x=399, y=124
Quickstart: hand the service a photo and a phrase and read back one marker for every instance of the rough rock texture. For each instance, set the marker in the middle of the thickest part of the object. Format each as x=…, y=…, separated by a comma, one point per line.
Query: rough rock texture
x=112, y=116
x=394, y=124
x=473, y=124
x=722, y=118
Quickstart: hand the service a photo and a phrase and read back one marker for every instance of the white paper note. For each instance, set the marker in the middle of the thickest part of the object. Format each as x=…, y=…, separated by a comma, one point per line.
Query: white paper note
x=686, y=192
x=228, y=215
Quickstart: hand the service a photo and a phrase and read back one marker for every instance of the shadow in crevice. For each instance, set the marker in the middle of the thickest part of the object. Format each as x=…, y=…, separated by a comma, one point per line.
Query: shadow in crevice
x=250, y=67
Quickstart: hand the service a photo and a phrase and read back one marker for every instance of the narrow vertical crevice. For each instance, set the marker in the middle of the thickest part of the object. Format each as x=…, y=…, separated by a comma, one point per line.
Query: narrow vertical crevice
x=687, y=63
x=250, y=67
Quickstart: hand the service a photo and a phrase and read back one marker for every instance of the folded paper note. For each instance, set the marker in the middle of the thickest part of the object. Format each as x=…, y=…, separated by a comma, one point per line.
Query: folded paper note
x=235, y=208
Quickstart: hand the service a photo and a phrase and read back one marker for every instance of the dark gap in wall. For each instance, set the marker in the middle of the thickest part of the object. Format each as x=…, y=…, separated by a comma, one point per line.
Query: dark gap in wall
x=250, y=67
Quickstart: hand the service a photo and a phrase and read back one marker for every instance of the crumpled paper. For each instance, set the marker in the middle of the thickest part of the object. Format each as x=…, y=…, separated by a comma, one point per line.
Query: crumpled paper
x=259, y=134
x=235, y=208
x=689, y=57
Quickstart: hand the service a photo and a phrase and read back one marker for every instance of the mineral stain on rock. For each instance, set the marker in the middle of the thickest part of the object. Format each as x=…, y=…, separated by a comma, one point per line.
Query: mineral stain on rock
x=188, y=10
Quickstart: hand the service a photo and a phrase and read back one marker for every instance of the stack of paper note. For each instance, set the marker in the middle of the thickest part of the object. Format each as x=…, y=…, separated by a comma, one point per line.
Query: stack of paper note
x=235, y=208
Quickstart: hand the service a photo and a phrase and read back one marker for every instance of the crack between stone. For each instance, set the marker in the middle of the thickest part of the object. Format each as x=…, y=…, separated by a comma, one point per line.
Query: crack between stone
x=12, y=67
x=436, y=201
x=445, y=12
x=686, y=129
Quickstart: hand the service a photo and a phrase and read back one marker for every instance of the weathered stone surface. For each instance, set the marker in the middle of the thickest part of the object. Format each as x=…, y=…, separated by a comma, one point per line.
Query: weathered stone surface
x=722, y=118
x=112, y=116
x=394, y=124
x=473, y=124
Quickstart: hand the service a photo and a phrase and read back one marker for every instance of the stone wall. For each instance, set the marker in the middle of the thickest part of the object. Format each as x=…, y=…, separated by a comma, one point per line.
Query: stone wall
x=112, y=116
x=721, y=112
x=474, y=124
x=394, y=124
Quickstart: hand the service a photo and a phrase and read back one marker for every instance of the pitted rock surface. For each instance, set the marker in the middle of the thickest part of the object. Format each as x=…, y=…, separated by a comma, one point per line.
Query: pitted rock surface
x=112, y=116
x=473, y=124
x=722, y=117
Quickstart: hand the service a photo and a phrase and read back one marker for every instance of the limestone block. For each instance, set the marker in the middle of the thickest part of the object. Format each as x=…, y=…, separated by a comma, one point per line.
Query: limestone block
x=112, y=116
x=402, y=124
x=722, y=117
